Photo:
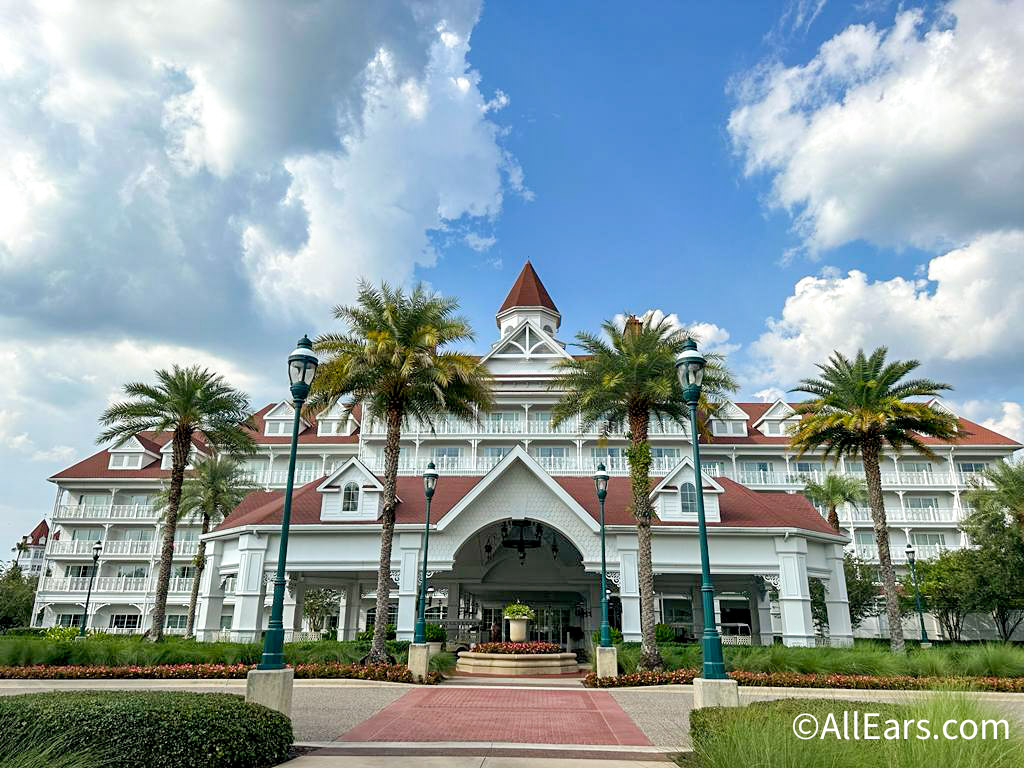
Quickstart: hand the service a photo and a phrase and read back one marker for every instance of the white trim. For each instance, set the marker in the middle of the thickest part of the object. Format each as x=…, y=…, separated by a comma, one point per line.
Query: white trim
x=506, y=341
x=686, y=461
x=284, y=403
x=326, y=487
x=769, y=415
x=518, y=454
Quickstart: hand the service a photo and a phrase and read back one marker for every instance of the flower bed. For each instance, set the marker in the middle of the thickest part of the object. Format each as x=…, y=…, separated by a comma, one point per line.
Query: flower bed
x=517, y=648
x=394, y=673
x=799, y=680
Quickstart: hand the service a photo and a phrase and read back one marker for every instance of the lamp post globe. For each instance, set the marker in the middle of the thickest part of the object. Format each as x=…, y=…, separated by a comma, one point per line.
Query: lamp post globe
x=96, y=549
x=601, y=483
x=912, y=561
x=302, y=365
x=429, y=485
x=690, y=364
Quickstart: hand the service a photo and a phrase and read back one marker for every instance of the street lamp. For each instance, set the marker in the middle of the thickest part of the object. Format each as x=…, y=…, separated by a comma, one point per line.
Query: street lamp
x=690, y=370
x=96, y=549
x=601, y=481
x=429, y=484
x=302, y=364
x=912, y=559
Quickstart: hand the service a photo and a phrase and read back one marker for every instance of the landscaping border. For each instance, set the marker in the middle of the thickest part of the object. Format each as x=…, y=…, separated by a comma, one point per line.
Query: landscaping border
x=393, y=673
x=806, y=680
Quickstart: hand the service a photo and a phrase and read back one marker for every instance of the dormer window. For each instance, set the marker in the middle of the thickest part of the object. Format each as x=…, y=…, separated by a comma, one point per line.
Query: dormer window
x=350, y=498
x=728, y=427
x=125, y=461
x=330, y=427
x=688, y=499
x=276, y=428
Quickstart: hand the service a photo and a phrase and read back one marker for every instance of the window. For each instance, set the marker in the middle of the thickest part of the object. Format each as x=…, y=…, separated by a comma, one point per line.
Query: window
x=78, y=571
x=922, y=502
x=350, y=498
x=774, y=428
x=928, y=539
x=86, y=534
x=549, y=330
x=662, y=453
x=971, y=467
x=125, y=461
x=807, y=467
x=915, y=466
x=276, y=427
x=855, y=467
x=184, y=571
x=865, y=538
x=175, y=621
x=738, y=427
x=713, y=468
x=132, y=571
x=68, y=620
x=329, y=427
x=225, y=621
x=551, y=452
x=94, y=500
x=124, y=621
x=141, y=499
x=757, y=466
x=186, y=534
x=137, y=534
x=688, y=498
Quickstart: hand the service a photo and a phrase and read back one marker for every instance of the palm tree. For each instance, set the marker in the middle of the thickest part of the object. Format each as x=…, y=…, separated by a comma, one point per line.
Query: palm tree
x=214, y=487
x=1001, y=487
x=626, y=379
x=833, y=490
x=860, y=405
x=189, y=402
x=394, y=360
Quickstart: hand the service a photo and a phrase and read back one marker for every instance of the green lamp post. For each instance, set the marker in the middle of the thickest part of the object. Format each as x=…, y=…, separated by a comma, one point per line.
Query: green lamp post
x=912, y=560
x=429, y=484
x=690, y=371
x=96, y=549
x=601, y=481
x=302, y=364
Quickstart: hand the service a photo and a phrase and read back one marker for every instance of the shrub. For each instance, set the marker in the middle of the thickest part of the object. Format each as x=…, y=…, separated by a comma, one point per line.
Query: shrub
x=442, y=663
x=436, y=633
x=62, y=633
x=155, y=729
x=24, y=632
x=366, y=636
x=534, y=647
x=663, y=633
x=616, y=636
x=519, y=611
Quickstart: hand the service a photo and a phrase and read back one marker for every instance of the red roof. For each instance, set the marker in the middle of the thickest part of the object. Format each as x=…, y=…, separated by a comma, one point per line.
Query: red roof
x=308, y=435
x=739, y=506
x=528, y=291
x=40, y=532
x=970, y=433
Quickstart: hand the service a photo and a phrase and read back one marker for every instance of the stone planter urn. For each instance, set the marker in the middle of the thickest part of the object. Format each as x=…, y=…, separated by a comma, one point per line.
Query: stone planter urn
x=517, y=630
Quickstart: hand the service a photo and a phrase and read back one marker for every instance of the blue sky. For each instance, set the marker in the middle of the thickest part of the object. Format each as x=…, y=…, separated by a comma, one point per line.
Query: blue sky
x=790, y=178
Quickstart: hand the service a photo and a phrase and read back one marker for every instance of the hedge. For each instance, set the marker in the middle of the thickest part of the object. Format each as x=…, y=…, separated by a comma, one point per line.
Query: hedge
x=799, y=680
x=155, y=729
x=395, y=673
x=531, y=647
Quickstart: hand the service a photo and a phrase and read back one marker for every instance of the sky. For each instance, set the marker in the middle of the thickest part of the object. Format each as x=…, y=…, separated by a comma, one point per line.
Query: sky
x=201, y=182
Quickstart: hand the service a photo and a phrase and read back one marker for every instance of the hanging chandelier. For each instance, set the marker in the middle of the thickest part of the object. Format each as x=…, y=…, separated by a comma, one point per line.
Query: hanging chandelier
x=521, y=535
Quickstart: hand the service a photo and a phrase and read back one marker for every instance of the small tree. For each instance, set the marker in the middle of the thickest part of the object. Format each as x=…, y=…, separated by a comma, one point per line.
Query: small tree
x=17, y=594
x=861, y=589
x=833, y=490
x=949, y=588
x=997, y=534
x=1004, y=490
x=318, y=605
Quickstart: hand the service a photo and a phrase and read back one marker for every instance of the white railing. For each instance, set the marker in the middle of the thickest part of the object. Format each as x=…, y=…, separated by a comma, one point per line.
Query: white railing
x=100, y=584
x=274, y=477
x=899, y=516
x=129, y=548
x=180, y=584
x=517, y=426
x=922, y=552
x=106, y=512
x=185, y=548
x=70, y=547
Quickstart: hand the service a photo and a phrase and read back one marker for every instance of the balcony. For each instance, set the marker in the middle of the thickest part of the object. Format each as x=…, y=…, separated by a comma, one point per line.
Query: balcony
x=924, y=552
x=515, y=426
x=80, y=584
x=107, y=512
x=897, y=516
x=128, y=548
x=556, y=465
x=279, y=477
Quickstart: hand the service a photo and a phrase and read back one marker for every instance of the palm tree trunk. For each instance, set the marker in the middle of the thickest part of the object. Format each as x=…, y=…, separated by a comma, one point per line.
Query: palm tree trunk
x=378, y=650
x=200, y=562
x=179, y=458
x=892, y=599
x=639, y=470
x=833, y=516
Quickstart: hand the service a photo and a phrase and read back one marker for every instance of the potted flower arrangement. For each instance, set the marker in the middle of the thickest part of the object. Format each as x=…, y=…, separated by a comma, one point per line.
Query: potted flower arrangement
x=518, y=614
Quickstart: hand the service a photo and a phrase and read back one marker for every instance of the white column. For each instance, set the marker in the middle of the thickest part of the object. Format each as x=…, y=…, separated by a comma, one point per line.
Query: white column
x=794, y=592
x=409, y=555
x=697, y=609
x=292, y=618
x=250, y=588
x=211, y=596
x=629, y=588
x=350, y=624
x=837, y=603
x=764, y=617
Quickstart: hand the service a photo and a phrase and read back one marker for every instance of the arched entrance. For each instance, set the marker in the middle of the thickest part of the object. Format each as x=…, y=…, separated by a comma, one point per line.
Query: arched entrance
x=526, y=560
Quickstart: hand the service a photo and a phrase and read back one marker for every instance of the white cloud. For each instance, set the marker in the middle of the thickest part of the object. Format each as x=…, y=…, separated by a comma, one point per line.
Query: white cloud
x=770, y=395
x=906, y=135
x=480, y=243
x=710, y=337
x=1005, y=417
x=970, y=309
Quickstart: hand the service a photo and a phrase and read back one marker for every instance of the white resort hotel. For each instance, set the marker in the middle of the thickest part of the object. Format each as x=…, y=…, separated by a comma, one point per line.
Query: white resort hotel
x=515, y=516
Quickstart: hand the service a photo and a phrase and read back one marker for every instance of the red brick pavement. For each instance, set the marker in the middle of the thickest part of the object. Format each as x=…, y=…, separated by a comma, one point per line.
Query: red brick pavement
x=502, y=715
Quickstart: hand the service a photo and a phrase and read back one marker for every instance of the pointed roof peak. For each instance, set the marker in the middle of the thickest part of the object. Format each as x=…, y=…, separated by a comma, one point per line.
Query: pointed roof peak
x=528, y=291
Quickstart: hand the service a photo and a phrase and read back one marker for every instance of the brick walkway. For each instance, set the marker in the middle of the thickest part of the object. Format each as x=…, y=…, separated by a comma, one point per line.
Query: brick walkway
x=502, y=715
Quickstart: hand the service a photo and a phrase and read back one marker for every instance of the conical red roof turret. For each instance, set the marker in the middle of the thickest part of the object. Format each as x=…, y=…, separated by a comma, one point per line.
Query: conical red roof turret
x=528, y=291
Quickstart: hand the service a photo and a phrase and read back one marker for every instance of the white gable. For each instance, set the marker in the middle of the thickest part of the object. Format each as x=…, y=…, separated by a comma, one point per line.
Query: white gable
x=527, y=341
x=938, y=405
x=779, y=410
x=278, y=420
x=351, y=492
x=668, y=495
x=730, y=410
